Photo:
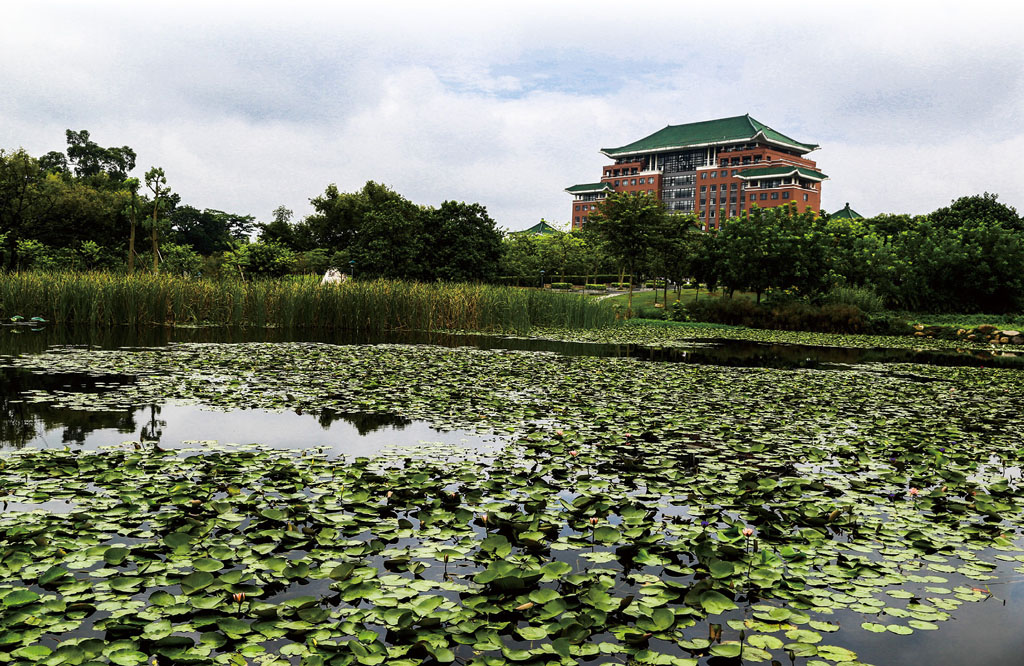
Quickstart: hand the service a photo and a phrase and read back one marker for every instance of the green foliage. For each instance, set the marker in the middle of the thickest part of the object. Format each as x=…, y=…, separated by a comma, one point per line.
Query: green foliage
x=791, y=315
x=260, y=260
x=864, y=299
x=208, y=231
x=561, y=285
x=181, y=259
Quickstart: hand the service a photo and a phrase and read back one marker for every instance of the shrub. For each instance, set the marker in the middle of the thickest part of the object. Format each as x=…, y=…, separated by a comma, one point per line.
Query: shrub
x=595, y=287
x=863, y=298
x=619, y=285
x=561, y=285
x=180, y=260
x=788, y=315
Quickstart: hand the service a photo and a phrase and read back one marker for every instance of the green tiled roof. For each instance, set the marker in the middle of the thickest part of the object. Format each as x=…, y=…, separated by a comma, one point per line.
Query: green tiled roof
x=738, y=128
x=847, y=213
x=588, y=187
x=767, y=172
x=541, y=227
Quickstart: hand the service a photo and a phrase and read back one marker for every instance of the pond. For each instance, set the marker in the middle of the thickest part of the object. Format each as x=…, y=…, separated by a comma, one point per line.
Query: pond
x=209, y=497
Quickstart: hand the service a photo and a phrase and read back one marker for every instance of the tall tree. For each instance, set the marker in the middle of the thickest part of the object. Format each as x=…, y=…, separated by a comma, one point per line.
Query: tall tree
x=133, y=186
x=156, y=181
x=628, y=224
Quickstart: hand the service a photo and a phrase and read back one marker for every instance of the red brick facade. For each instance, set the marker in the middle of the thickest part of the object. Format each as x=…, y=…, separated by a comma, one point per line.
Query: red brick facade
x=714, y=170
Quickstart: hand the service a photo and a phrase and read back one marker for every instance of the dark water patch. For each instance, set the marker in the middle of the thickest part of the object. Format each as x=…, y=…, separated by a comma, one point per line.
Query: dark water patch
x=703, y=351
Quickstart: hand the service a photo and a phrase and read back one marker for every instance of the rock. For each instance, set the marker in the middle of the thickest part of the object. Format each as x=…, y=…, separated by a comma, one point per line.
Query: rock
x=1011, y=334
x=971, y=336
x=1018, y=340
x=919, y=334
x=960, y=331
x=986, y=329
x=918, y=327
x=1003, y=340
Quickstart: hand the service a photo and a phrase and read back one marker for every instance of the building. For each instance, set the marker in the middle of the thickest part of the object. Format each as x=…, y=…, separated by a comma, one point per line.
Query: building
x=714, y=169
x=847, y=213
x=541, y=227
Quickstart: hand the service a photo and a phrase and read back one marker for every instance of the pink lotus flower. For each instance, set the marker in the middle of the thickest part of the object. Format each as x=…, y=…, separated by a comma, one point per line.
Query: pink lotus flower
x=914, y=492
x=574, y=453
x=748, y=532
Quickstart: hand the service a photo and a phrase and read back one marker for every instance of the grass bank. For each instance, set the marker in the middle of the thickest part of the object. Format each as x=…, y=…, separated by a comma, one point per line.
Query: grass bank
x=108, y=299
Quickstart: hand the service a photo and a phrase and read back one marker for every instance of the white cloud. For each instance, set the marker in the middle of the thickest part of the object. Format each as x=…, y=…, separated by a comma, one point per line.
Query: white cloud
x=251, y=105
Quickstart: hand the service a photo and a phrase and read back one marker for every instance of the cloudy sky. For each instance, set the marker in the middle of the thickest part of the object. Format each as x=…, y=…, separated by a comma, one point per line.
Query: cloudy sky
x=251, y=105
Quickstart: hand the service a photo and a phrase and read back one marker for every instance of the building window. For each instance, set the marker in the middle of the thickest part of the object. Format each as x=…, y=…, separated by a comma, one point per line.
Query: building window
x=805, y=197
x=712, y=212
x=577, y=219
x=714, y=174
x=616, y=183
x=746, y=160
x=785, y=195
x=633, y=182
x=704, y=188
x=722, y=200
x=714, y=187
x=764, y=196
x=585, y=218
x=753, y=197
x=651, y=192
x=724, y=173
x=775, y=195
x=735, y=171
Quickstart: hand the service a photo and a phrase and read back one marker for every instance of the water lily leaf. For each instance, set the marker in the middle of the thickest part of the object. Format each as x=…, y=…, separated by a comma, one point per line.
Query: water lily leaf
x=127, y=657
x=125, y=583
x=51, y=575
x=32, y=652
x=19, y=598
x=544, y=595
x=716, y=603
x=728, y=649
x=115, y=555
x=194, y=582
x=207, y=564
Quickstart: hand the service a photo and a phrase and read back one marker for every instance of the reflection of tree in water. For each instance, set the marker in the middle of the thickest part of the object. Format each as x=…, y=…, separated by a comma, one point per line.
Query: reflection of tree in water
x=364, y=422
x=154, y=429
x=21, y=422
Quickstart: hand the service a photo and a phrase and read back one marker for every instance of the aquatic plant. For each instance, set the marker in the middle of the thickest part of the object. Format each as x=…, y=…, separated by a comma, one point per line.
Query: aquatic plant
x=108, y=299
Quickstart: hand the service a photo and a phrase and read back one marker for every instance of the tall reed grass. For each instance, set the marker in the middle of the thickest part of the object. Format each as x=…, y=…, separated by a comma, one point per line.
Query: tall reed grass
x=109, y=299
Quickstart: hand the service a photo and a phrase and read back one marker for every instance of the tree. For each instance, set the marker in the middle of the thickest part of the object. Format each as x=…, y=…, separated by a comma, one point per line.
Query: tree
x=977, y=208
x=156, y=181
x=90, y=159
x=19, y=175
x=280, y=229
x=675, y=248
x=627, y=223
x=133, y=186
x=460, y=243
x=208, y=231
